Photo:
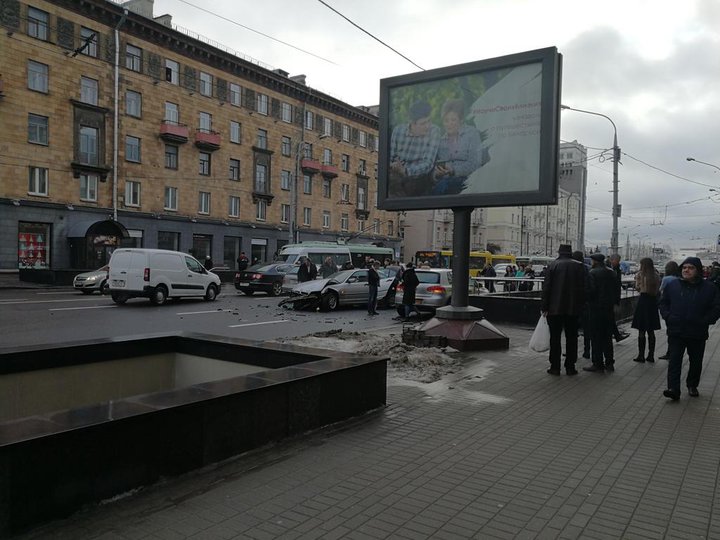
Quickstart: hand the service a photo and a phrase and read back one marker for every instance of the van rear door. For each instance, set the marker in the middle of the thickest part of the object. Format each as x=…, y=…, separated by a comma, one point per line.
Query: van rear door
x=123, y=272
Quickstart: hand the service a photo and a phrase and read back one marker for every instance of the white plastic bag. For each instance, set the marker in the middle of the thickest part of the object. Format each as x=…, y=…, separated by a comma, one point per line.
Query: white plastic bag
x=540, y=340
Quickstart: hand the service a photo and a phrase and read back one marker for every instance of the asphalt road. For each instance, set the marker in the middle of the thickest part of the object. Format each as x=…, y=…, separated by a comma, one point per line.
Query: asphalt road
x=35, y=317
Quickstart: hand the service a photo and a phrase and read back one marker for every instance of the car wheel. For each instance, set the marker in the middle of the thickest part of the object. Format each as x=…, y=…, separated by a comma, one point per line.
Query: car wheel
x=248, y=292
x=211, y=293
x=86, y=291
x=119, y=298
x=159, y=295
x=329, y=301
x=104, y=287
x=276, y=289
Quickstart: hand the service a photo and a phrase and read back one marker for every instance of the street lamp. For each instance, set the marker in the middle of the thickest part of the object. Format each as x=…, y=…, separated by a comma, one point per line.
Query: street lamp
x=703, y=162
x=616, y=160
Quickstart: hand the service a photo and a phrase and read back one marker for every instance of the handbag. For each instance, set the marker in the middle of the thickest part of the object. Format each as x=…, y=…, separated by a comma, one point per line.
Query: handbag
x=540, y=339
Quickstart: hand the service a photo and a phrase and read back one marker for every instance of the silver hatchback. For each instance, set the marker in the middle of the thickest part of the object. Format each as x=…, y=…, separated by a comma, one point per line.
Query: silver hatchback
x=434, y=290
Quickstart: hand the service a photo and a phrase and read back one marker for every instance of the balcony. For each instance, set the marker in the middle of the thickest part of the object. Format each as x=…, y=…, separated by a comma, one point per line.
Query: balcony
x=310, y=166
x=207, y=140
x=362, y=213
x=329, y=171
x=174, y=133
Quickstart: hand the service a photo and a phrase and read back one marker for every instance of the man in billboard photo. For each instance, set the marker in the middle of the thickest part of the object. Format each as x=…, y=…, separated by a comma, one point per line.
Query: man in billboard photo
x=413, y=151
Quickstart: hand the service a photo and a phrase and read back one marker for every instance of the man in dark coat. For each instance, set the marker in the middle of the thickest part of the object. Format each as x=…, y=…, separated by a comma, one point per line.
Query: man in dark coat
x=243, y=261
x=410, y=283
x=373, y=286
x=615, y=267
x=304, y=271
x=563, y=298
x=689, y=305
x=601, y=299
x=489, y=271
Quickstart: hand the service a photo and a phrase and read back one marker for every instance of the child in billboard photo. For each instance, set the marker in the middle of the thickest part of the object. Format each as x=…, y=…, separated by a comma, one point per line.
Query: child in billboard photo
x=413, y=152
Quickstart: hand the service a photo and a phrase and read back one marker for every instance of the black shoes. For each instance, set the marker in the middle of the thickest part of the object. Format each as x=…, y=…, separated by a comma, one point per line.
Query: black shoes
x=665, y=356
x=552, y=371
x=609, y=367
x=650, y=359
x=621, y=336
x=639, y=359
x=693, y=391
x=594, y=368
x=672, y=394
x=571, y=371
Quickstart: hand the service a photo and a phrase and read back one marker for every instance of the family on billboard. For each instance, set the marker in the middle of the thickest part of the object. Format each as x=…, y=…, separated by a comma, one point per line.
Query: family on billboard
x=486, y=118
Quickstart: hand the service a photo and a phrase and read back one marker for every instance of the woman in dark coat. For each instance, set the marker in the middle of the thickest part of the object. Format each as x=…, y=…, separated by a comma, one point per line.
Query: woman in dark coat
x=646, y=318
x=410, y=283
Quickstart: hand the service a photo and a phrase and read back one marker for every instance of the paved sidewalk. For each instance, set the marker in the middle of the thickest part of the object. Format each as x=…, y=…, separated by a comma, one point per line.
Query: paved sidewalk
x=501, y=450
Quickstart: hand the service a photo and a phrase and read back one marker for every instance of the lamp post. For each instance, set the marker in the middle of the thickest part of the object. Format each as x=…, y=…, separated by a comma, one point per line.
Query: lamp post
x=616, y=160
x=703, y=162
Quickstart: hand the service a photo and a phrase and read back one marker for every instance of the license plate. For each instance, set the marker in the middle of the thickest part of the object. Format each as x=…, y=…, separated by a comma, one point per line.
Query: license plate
x=418, y=301
x=118, y=282
x=243, y=284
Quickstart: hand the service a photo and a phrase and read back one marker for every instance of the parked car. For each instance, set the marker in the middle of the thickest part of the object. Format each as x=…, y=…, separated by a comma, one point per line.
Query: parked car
x=265, y=277
x=290, y=279
x=434, y=290
x=347, y=287
x=89, y=282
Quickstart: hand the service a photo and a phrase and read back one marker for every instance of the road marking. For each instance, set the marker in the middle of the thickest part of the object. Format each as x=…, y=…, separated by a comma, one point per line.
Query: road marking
x=208, y=311
x=75, y=308
x=60, y=292
x=257, y=323
x=8, y=302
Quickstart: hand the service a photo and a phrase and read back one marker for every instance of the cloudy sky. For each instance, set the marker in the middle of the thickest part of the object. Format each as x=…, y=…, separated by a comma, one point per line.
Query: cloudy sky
x=653, y=66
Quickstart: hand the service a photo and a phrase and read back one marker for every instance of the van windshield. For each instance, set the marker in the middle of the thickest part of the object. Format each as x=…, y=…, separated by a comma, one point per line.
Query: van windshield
x=289, y=258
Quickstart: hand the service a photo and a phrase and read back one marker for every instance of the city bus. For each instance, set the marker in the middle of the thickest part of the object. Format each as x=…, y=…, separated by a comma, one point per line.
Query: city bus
x=478, y=259
x=317, y=252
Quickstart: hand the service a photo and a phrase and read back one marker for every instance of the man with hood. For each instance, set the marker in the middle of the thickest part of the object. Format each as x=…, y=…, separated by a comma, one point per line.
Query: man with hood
x=688, y=305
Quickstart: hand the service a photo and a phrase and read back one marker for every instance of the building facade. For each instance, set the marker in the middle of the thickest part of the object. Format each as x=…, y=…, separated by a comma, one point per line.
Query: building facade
x=159, y=139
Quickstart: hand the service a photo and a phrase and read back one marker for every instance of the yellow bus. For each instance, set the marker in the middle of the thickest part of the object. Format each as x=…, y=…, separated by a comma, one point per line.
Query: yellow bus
x=478, y=259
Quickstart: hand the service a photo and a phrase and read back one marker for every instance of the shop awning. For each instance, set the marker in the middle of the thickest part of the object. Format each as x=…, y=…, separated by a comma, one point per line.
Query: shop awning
x=108, y=227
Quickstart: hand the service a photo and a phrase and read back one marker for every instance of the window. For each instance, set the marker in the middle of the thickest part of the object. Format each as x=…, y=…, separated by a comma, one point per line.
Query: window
x=261, y=103
x=206, y=82
x=171, y=198
x=345, y=132
x=37, y=76
x=307, y=216
x=345, y=163
x=286, y=112
x=235, y=133
x=307, y=184
x=344, y=221
x=133, y=103
x=88, y=90
x=376, y=226
x=171, y=156
x=234, y=206
x=88, y=187
x=88, y=145
x=38, y=181
x=133, y=58
x=37, y=129
x=326, y=188
x=363, y=138
x=361, y=198
x=327, y=127
x=204, y=168
x=361, y=225
x=345, y=193
x=204, y=202
x=235, y=94
x=262, y=140
x=284, y=213
x=168, y=240
x=326, y=219
x=89, y=42
x=307, y=150
x=309, y=120
x=172, y=71
x=260, y=210
x=327, y=156
x=205, y=122
x=172, y=113
x=132, y=149
x=234, y=169
x=132, y=193
x=390, y=228
x=286, y=146
x=261, y=178
x=362, y=167
x=37, y=23
x=285, y=179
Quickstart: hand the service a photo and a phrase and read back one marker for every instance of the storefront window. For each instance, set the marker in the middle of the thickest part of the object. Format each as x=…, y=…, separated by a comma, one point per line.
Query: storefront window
x=169, y=240
x=33, y=245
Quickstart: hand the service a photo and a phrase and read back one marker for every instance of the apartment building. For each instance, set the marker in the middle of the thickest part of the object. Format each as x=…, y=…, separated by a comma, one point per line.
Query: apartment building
x=161, y=139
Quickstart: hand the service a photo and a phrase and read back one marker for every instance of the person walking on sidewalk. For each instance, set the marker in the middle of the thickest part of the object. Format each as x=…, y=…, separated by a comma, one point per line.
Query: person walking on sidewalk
x=563, y=298
x=615, y=267
x=373, y=286
x=672, y=272
x=601, y=298
x=688, y=305
x=646, y=318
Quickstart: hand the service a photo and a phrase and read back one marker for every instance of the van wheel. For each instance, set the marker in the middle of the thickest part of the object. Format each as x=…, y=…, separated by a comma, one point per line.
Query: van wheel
x=329, y=301
x=211, y=293
x=159, y=295
x=276, y=289
x=119, y=298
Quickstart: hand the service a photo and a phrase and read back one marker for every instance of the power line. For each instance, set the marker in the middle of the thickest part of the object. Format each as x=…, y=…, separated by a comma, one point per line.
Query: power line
x=366, y=32
x=667, y=172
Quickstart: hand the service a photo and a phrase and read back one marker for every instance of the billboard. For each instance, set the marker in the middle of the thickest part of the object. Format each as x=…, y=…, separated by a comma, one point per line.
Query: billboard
x=479, y=134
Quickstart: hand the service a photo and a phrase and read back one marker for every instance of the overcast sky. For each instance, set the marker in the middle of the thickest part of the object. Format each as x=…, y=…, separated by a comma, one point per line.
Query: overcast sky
x=653, y=66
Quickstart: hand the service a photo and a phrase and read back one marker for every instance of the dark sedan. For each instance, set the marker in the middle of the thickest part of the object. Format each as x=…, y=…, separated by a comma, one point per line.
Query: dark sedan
x=265, y=277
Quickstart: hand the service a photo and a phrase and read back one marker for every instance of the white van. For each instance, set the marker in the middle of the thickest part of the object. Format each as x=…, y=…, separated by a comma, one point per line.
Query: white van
x=159, y=274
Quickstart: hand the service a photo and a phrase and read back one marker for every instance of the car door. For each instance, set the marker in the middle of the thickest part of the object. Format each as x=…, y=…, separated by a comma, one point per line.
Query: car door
x=357, y=287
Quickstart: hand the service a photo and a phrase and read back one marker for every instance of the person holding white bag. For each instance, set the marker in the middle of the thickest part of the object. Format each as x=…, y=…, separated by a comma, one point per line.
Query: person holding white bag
x=563, y=299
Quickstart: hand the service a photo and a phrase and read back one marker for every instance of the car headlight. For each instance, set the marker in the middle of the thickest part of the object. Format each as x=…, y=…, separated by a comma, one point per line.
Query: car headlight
x=91, y=279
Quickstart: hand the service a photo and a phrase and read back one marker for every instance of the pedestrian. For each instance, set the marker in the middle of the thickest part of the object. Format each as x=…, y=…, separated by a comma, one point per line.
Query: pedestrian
x=328, y=267
x=601, y=299
x=242, y=261
x=688, y=305
x=563, y=298
x=373, y=286
x=646, y=318
x=303, y=271
x=489, y=272
x=410, y=283
x=396, y=270
x=672, y=272
x=615, y=267
x=208, y=263
x=584, y=320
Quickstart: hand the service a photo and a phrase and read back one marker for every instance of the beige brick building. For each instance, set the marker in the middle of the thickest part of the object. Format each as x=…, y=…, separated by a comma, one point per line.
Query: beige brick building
x=184, y=145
